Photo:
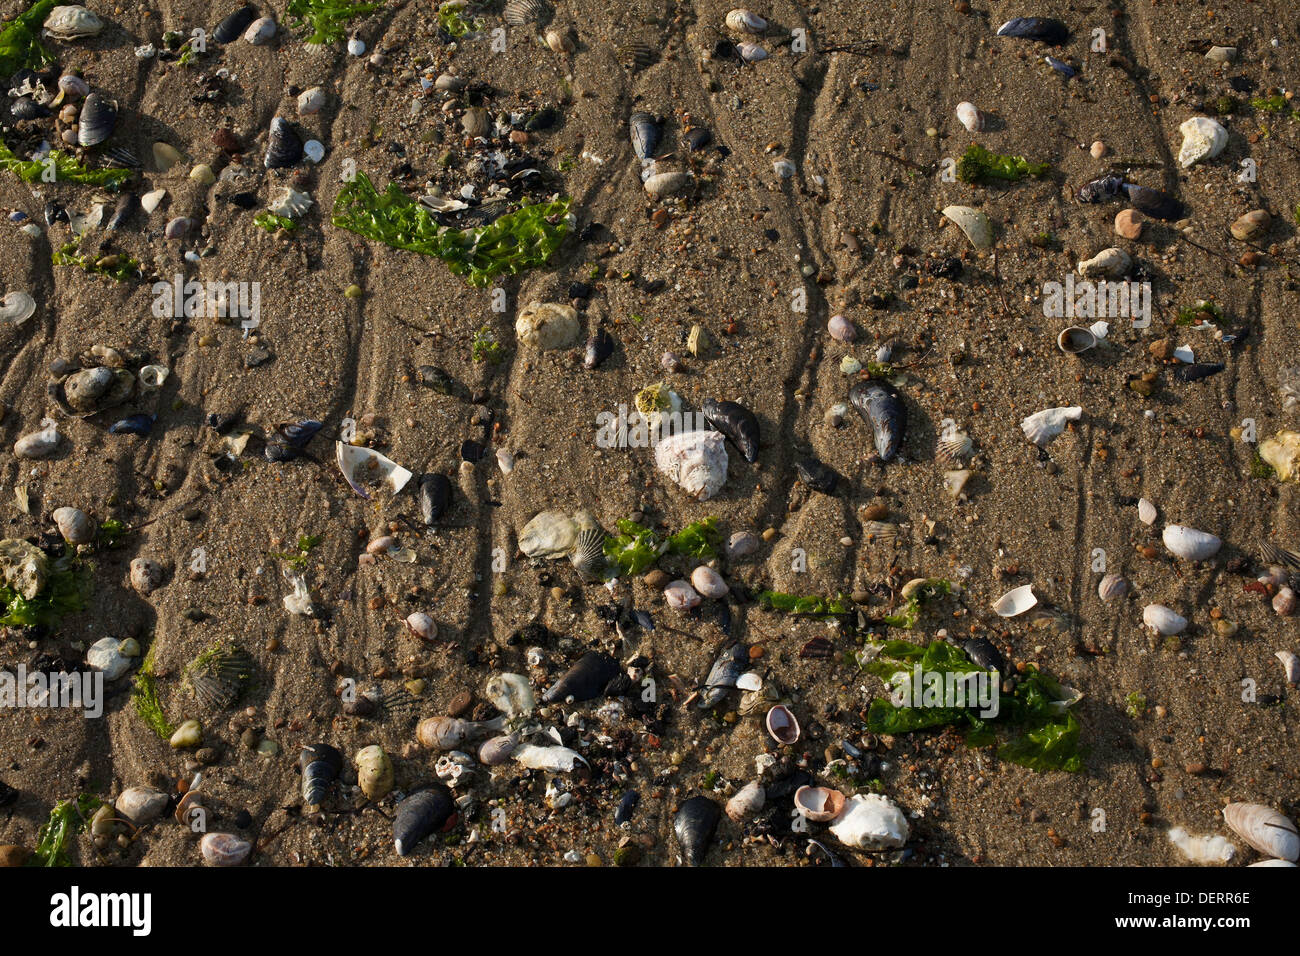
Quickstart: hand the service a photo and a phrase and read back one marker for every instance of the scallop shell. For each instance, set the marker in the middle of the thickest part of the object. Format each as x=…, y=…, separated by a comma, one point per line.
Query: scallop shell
x=1191, y=544
x=782, y=725
x=974, y=224
x=747, y=802
x=1075, y=340
x=745, y=21
x=74, y=525
x=953, y=447
x=523, y=13
x=16, y=308
x=290, y=203
x=1203, y=139
x=224, y=849
x=363, y=466
x=1264, y=829
x=1041, y=427
x=218, y=678
x=819, y=804
x=1016, y=601
x=1112, y=587
x=588, y=554
x=1163, y=620
x=970, y=117
x=637, y=53
x=72, y=23
x=880, y=530
x=97, y=119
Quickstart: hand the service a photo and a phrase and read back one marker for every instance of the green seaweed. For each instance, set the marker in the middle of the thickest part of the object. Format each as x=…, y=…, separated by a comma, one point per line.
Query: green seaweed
x=271, y=222
x=633, y=549
x=978, y=165
x=699, y=539
x=485, y=347
x=144, y=695
x=20, y=40
x=67, y=818
x=453, y=24
x=1135, y=705
x=66, y=588
x=1277, y=103
x=297, y=559
x=66, y=170
x=111, y=533
x=328, y=19
x=1199, y=312
x=810, y=605
x=123, y=270
x=910, y=613
x=516, y=241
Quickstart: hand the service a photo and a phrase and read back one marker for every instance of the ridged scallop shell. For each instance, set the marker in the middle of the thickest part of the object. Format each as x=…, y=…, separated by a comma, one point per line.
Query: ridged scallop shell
x=522, y=13
x=588, y=554
x=637, y=53
x=1189, y=543
x=1264, y=829
x=1272, y=554
x=1112, y=587
x=1163, y=620
x=72, y=23
x=880, y=530
x=217, y=679
x=952, y=447
x=16, y=308
x=974, y=224
x=290, y=203
x=1203, y=139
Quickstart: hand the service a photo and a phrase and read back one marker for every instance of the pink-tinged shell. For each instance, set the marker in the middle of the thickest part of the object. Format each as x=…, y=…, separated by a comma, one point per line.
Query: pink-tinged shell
x=681, y=596
x=782, y=725
x=819, y=804
x=442, y=733
x=497, y=750
x=1111, y=587
x=224, y=849
x=841, y=329
x=1284, y=602
x=422, y=626
x=970, y=117
x=747, y=802
x=708, y=582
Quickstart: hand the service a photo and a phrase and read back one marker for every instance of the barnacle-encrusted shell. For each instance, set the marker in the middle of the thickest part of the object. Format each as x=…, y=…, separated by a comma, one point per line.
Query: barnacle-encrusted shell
x=696, y=461
x=146, y=575
x=548, y=325
x=23, y=567
x=93, y=390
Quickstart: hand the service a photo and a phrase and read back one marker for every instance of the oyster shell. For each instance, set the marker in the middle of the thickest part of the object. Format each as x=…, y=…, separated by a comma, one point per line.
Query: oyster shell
x=72, y=23
x=1203, y=139
x=90, y=391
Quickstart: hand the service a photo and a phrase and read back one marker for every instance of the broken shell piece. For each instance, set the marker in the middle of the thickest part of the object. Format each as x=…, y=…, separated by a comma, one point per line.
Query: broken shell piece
x=973, y=223
x=1076, y=339
x=871, y=822
x=1041, y=427
x=165, y=156
x=290, y=204
x=1162, y=620
x=1016, y=601
x=550, y=534
x=782, y=725
x=1284, y=602
x=547, y=325
x=152, y=376
x=970, y=117
x=16, y=308
x=1110, y=263
x=1202, y=849
x=1203, y=138
x=819, y=804
x=954, y=482
x=1264, y=829
x=1291, y=665
x=1146, y=511
x=40, y=444
x=1282, y=454
x=363, y=466
x=696, y=461
x=311, y=101
x=552, y=759
x=1191, y=544
x=152, y=199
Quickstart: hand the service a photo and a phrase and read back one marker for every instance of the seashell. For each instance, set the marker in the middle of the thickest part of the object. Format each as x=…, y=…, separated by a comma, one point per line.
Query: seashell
x=454, y=769
x=320, y=765
x=71, y=87
x=1273, y=863
x=745, y=21
x=841, y=329
x=505, y=461
x=311, y=101
x=233, y=24
x=644, y=131
x=1154, y=203
x=548, y=325
x=751, y=52
x=696, y=138
x=261, y=31
x=1290, y=665
x=511, y=694
x=1189, y=543
x=1147, y=511
x=737, y=423
x=524, y=13
x=697, y=341
x=26, y=108
x=497, y=750
x=880, y=530
x=694, y=826
x=1041, y=427
x=106, y=656
x=970, y=117
x=75, y=525
x=357, y=47
x=421, y=813
x=290, y=203
x=742, y=544
x=1272, y=554
x=224, y=849
x=1284, y=602
x=141, y=805
x=374, y=772
x=422, y=626
x=1264, y=829
x=218, y=678
x=982, y=652
x=708, y=582
x=16, y=308
x=819, y=804
x=72, y=23
x=177, y=227
x=1052, y=32
x=954, y=482
x=151, y=200
x=588, y=554
x=880, y=406
x=364, y=466
x=782, y=725
x=283, y=145
x=1282, y=454
x=560, y=41
x=550, y=534
x=449, y=83
x=1251, y=226
x=696, y=461
x=727, y=668
x=448, y=733
x=98, y=117
x=637, y=53
x=1203, y=139
x=600, y=346
x=1202, y=849
x=125, y=208
x=1112, y=587
x=1162, y=620
x=953, y=447
x=662, y=185
x=974, y=224
x=1016, y=601
x=38, y=444
x=313, y=150
x=871, y=822
x=1108, y=264
x=746, y=802
x=585, y=680
x=1075, y=339
x=817, y=475
x=434, y=493
x=680, y=596
x=146, y=575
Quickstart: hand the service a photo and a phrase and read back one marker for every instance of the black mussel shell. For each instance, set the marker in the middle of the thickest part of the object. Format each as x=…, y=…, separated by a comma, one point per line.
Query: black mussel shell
x=1154, y=203
x=423, y=812
x=831, y=858
x=585, y=680
x=472, y=451
x=817, y=475
x=98, y=117
x=298, y=434
x=1198, y=370
x=434, y=493
x=726, y=670
x=126, y=206
x=54, y=212
x=320, y=764
x=1052, y=32
x=435, y=378
x=230, y=29
x=623, y=814
x=694, y=825
x=283, y=146
x=737, y=423
x=246, y=200
x=1101, y=190
x=277, y=451
x=599, y=347
x=697, y=138
x=222, y=422
x=785, y=787
x=121, y=158
x=884, y=411
x=644, y=131
x=133, y=425
x=982, y=652
x=26, y=108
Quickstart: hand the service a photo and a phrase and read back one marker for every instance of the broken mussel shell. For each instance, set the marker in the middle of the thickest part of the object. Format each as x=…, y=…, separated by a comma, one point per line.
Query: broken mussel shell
x=320, y=765
x=694, y=826
x=726, y=670
x=585, y=680
x=423, y=812
x=881, y=408
x=90, y=391
x=817, y=475
x=737, y=423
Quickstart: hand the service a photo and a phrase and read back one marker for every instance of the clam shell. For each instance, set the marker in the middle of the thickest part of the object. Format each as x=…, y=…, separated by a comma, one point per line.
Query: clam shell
x=974, y=224
x=751, y=52
x=283, y=145
x=819, y=804
x=662, y=185
x=73, y=87
x=1264, y=829
x=224, y=849
x=38, y=444
x=550, y=534
x=708, y=582
x=233, y=24
x=1189, y=543
x=1016, y=601
x=681, y=596
x=476, y=122
x=970, y=117
x=165, y=156
x=782, y=725
x=16, y=308
x=841, y=329
x=74, y=525
x=141, y=805
x=98, y=117
x=1251, y=225
x=745, y=21
x=1163, y=620
x=374, y=772
x=1203, y=139
x=72, y=23
x=1112, y=587
x=422, y=626
x=312, y=101
x=497, y=750
x=1147, y=512
x=1041, y=427
x=1075, y=339
x=746, y=802
x=261, y=31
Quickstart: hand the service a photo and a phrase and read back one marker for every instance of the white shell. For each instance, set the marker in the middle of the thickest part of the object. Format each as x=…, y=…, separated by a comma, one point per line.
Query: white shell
x=165, y=156
x=1041, y=427
x=72, y=23
x=146, y=575
x=505, y=461
x=313, y=150
x=1291, y=665
x=871, y=822
x=364, y=463
x=970, y=117
x=141, y=805
x=39, y=444
x=105, y=655
x=681, y=596
x=1146, y=511
x=550, y=534
x=1110, y=263
x=261, y=31
x=512, y=694
x=422, y=625
x=1016, y=601
x=751, y=52
x=1189, y=543
x=1202, y=849
x=75, y=525
x=666, y=184
x=548, y=325
x=1203, y=138
x=708, y=582
x=696, y=461
x=1284, y=601
x=311, y=101
x=290, y=203
x=152, y=376
x=152, y=199
x=973, y=223
x=224, y=849
x=356, y=46
x=745, y=21
x=1264, y=829
x=742, y=544
x=746, y=802
x=1162, y=620
x=16, y=308
x=553, y=759
x=954, y=482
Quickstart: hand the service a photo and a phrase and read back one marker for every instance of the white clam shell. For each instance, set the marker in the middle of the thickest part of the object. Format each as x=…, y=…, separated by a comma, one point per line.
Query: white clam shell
x=1163, y=620
x=871, y=822
x=1110, y=263
x=105, y=655
x=261, y=31
x=1147, y=511
x=745, y=21
x=708, y=582
x=661, y=185
x=72, y=22
x=16, y=308
x=1189, y=543
x=1264, y=829
x=1203, y=139
x=141, y=805
x=681, y=596
x=974, y=224
x=224, y=849
x=970, y=117
x=311, y=101
x=1041, y=427
x=751, y=52
x=550, y=534
x=696, y=461
x=747, y=801
x=1016, y=601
